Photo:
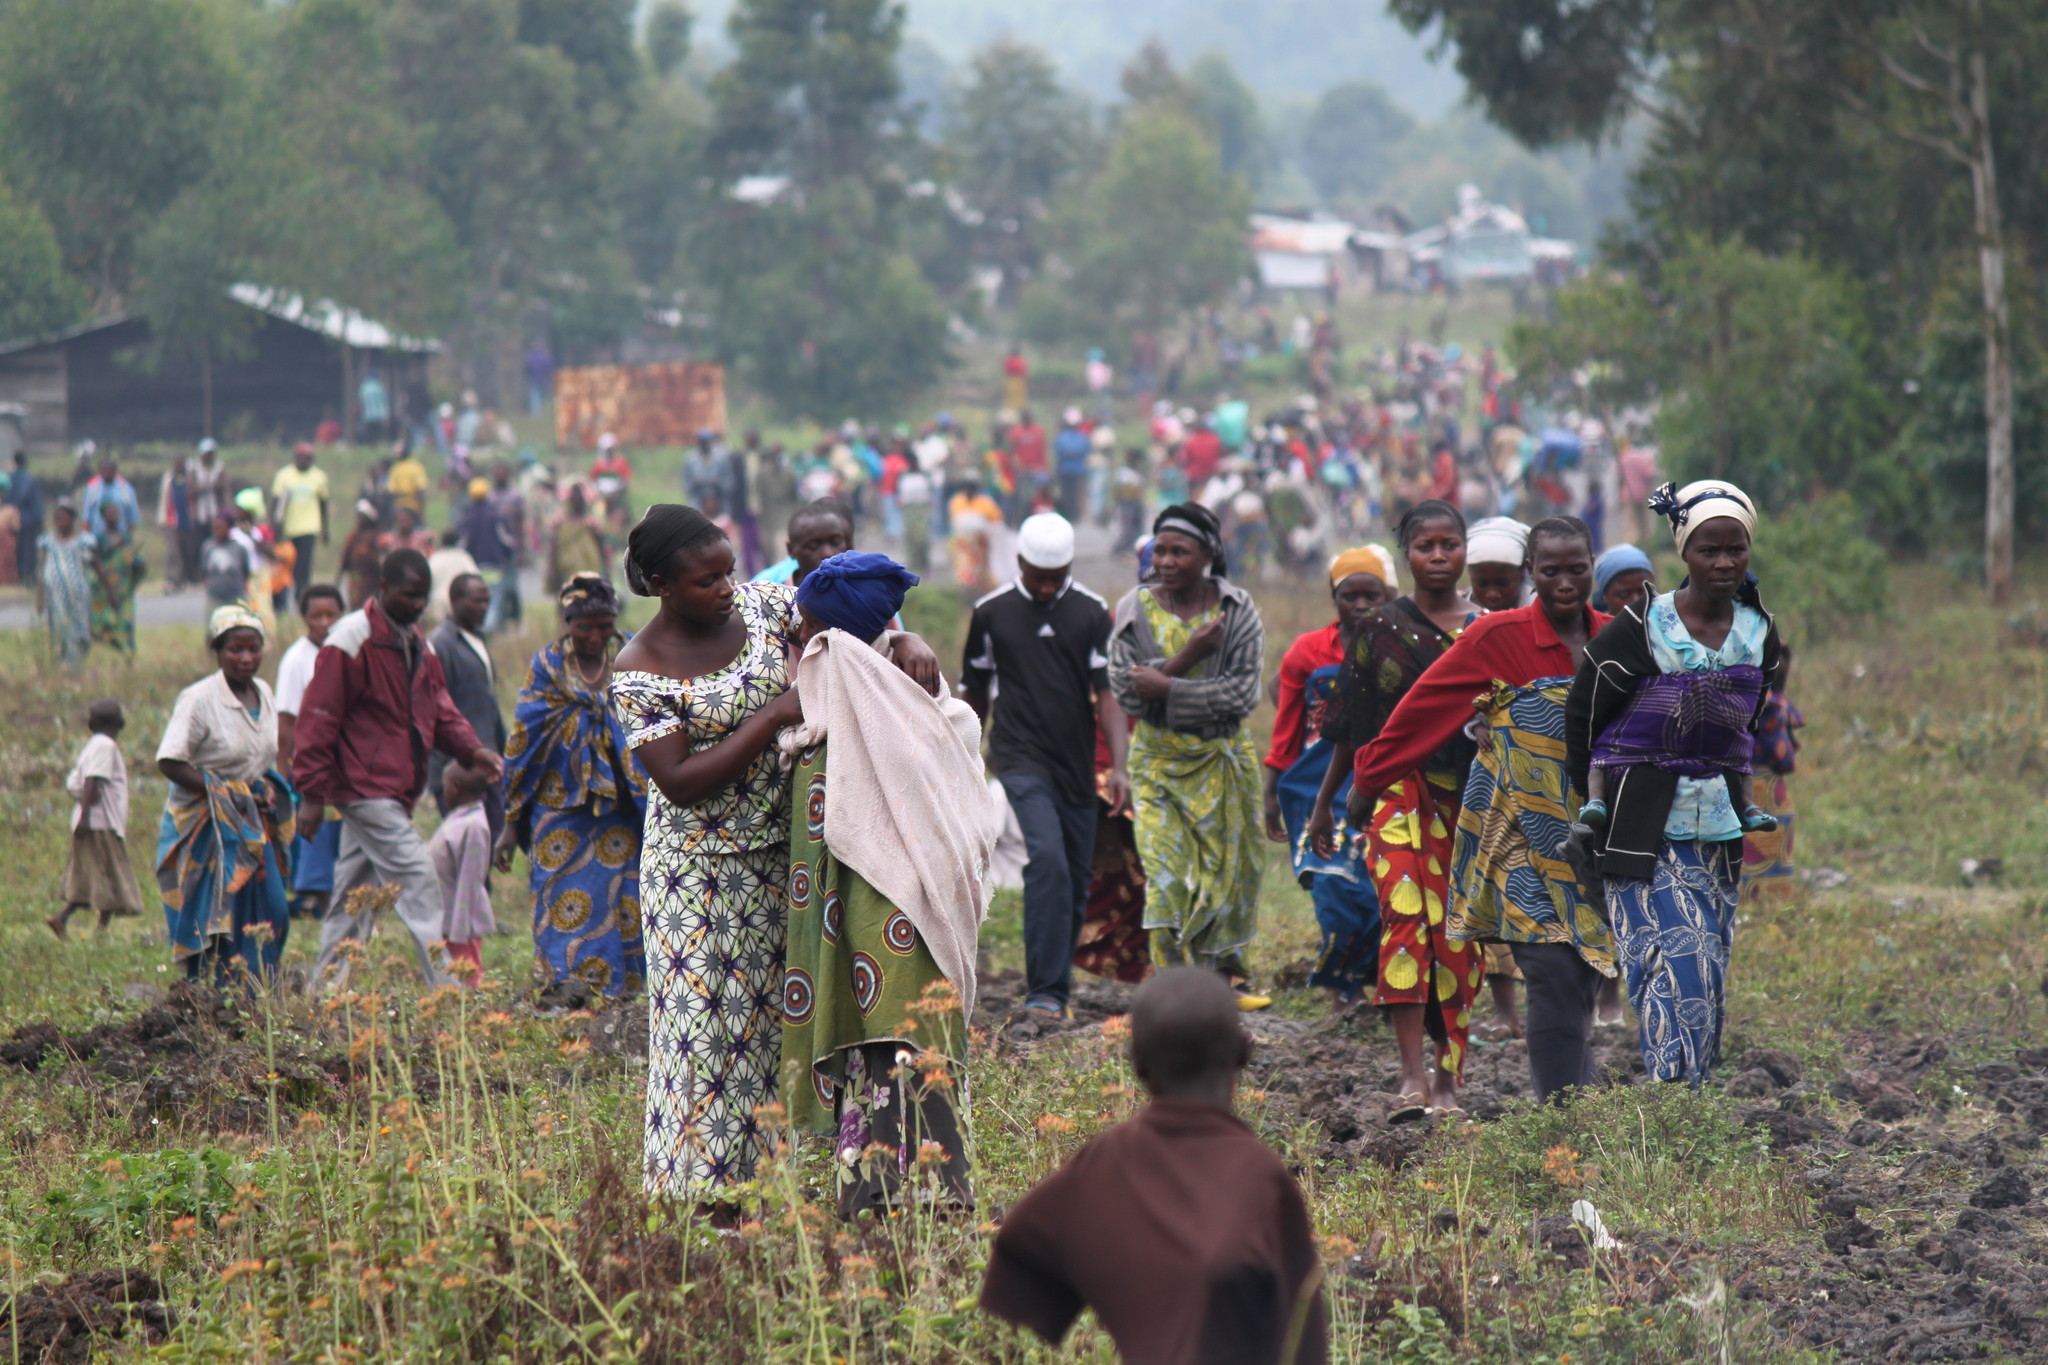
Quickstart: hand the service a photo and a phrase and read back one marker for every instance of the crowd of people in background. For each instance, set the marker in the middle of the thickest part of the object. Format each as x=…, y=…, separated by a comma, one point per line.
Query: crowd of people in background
x=1509, y=763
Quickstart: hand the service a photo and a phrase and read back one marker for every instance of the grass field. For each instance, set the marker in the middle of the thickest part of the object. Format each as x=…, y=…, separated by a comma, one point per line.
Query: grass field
x=390, y=1177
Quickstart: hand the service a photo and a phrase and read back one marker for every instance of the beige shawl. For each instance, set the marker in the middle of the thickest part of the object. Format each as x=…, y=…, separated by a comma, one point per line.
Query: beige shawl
x=906, y=807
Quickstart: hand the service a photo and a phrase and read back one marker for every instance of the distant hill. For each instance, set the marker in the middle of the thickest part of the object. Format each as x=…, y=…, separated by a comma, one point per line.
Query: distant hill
x=1280, y=48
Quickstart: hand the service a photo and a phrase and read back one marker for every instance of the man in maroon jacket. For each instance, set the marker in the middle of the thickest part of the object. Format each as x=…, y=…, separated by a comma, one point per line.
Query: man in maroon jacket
x=376, y=707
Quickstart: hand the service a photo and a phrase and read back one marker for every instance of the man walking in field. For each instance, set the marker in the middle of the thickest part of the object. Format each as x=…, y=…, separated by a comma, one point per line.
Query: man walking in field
x=377, y=705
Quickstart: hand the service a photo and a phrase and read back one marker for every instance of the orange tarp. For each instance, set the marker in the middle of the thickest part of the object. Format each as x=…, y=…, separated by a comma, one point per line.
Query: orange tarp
x=643, y=405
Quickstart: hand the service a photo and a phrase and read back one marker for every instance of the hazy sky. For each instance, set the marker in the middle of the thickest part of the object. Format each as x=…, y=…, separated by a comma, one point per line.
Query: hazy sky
x=1279, y=47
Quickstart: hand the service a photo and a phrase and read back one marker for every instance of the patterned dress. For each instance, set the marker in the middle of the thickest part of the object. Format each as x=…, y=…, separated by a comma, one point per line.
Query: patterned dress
x=874, y=1038
x=1408, y=842
x=116, y=577
x=66, y=577
x=1198, y=827
x=1507, y=883
x=574, y=798
x=712, y=878
x=1113, y=942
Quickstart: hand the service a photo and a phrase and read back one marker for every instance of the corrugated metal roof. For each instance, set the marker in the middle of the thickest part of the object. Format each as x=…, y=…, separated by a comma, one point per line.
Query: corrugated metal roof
x=329, y=319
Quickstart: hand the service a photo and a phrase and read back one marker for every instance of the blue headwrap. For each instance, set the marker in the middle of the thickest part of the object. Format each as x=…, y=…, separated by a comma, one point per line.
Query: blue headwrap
x=1619, y=559
x=854, y=592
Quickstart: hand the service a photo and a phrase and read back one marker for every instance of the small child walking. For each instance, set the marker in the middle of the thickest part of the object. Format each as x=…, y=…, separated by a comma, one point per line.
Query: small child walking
x=1181, y=1229
x=461, y=850
x=99, y=875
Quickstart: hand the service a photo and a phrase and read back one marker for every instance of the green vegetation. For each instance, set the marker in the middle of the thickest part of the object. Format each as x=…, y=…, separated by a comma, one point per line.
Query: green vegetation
x=382, y=1176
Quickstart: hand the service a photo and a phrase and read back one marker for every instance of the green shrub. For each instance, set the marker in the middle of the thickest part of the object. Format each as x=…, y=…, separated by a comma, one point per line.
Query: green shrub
x=1821, y=575
x=129, y=1193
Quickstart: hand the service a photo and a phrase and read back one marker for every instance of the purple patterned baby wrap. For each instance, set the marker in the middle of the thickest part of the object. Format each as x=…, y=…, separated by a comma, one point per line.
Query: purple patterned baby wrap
x=1692, y=724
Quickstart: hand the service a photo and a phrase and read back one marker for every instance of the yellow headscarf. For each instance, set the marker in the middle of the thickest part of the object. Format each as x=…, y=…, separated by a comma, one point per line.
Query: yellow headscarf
x=1372, y=559
x=233, y=616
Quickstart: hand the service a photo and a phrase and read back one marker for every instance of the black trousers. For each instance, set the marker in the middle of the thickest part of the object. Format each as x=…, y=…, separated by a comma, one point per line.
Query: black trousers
x=1560, y=990
x=1059, y=845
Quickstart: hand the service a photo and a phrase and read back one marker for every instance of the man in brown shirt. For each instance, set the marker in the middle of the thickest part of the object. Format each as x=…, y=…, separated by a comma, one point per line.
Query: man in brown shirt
x=1179, y=1228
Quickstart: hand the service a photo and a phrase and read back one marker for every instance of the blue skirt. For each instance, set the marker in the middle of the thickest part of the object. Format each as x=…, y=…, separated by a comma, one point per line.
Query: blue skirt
x=1347, y=906
x=1673, y=932
x=313, y=859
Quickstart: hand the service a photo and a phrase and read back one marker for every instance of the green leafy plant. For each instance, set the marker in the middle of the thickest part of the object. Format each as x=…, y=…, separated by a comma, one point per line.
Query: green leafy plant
x=127, y=1194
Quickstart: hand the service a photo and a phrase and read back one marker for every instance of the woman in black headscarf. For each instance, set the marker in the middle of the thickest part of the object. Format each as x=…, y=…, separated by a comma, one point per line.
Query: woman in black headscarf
x=1186, y=651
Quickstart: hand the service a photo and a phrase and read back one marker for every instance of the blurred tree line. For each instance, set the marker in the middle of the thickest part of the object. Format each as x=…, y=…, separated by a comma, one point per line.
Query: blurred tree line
x=820, y=204
x=1828, y=279
x=490, y=170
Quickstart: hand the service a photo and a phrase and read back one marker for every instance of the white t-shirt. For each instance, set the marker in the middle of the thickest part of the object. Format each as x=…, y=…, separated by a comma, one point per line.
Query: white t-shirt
x=932, y=453
x=914, y=489
x=295, y=674
x=211, y=729
x=101, y=758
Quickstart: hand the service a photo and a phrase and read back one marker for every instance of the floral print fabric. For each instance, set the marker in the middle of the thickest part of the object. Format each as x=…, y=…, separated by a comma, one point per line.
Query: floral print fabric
x=575, y=797
x=1197, y=826
x=712, y=888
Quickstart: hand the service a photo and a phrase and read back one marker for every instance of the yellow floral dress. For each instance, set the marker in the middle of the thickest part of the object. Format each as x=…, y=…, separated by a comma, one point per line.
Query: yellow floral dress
x=1197, y=825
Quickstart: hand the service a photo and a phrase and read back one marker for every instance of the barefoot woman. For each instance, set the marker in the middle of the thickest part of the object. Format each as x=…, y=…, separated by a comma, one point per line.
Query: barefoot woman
x=1426, y=979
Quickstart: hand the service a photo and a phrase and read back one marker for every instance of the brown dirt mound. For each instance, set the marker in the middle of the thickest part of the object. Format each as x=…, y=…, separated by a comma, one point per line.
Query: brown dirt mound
x=61, y=1325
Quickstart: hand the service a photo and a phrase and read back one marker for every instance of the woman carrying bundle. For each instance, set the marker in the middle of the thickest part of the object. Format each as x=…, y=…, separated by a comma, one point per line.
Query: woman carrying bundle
x=1660, y=728
x=888, y=885
x=1508, y=884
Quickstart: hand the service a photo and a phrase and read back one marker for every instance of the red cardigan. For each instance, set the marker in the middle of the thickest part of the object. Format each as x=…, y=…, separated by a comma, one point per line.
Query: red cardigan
x=1317, y=649
x=1515, y=647
x=365, y=726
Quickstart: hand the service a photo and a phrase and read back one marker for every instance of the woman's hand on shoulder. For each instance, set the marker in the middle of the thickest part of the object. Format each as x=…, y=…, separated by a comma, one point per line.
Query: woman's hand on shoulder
x=911, y=654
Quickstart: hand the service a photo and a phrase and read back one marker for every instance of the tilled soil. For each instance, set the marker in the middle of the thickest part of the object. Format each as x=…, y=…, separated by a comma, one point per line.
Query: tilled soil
x=1932, y=1238
x=189, y=1057
x=62, y=1324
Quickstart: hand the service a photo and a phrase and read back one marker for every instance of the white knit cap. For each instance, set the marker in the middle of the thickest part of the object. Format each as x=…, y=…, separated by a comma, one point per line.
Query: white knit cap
x=1496, y=540
x=1046, y=541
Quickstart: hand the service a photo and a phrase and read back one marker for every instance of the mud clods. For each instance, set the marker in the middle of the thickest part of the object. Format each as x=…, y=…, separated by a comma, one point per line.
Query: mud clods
x=63, y=1324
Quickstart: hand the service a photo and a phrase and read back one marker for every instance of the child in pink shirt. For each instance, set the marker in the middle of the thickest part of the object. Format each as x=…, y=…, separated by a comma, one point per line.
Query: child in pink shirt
x=461, y=850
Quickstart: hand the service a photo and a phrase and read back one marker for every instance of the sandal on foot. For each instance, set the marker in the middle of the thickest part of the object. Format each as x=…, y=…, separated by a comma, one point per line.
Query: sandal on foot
x=1408, y=1106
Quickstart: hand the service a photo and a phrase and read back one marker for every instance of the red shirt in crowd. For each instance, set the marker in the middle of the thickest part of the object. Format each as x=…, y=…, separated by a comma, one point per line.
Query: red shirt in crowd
x=377, y=706
x=1200, y=455
x=1515, y=647
x=1292, y=725
x=1027, y=443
